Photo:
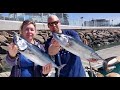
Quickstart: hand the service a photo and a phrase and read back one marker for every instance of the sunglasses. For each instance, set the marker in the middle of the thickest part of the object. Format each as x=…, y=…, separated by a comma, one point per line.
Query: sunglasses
x=52, y=23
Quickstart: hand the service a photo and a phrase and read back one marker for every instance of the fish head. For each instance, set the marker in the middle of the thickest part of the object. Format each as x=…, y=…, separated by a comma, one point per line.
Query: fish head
x=20, y=42
x=62, y=39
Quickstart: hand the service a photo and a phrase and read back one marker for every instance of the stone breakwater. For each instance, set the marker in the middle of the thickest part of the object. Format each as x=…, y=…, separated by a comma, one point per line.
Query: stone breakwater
x=93, y=38
x=99, y=38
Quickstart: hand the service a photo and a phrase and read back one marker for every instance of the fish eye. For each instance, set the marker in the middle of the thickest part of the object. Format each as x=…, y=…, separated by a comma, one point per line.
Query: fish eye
x=59, y=35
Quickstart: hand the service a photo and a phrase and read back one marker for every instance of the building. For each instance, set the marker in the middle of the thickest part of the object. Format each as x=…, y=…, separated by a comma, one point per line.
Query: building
x=97, y=22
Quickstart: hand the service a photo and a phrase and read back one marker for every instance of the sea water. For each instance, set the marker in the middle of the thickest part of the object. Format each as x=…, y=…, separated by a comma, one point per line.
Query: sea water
x=116, y=70
x=117, y=66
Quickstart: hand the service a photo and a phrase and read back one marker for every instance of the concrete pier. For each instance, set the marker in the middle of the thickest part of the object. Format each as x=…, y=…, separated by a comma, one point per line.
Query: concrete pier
x=15, y=25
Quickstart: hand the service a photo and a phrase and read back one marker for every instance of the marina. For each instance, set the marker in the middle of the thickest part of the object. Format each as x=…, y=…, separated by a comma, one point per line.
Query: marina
x=103, y=38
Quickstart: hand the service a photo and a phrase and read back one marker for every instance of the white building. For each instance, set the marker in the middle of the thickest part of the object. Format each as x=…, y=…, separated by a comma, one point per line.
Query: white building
x=97, y=22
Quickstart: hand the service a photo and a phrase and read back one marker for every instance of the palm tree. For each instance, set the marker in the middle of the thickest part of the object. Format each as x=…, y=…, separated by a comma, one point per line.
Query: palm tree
x=14, y=16
x=81, y=21
x=112, y=22
x=65, y=16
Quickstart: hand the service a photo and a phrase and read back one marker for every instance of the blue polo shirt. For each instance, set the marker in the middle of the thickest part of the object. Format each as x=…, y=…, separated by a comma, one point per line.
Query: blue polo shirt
x=73, y=67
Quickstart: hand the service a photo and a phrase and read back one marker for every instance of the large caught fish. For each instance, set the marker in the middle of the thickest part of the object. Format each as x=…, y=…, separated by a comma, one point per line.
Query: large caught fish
x=80, y=49
x=34, y=53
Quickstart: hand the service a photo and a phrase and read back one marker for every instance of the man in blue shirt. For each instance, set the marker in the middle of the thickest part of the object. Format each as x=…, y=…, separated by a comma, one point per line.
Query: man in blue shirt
x=73, y=67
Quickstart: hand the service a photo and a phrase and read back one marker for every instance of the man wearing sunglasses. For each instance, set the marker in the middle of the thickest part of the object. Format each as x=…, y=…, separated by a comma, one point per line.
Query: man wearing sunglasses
x=73, y=67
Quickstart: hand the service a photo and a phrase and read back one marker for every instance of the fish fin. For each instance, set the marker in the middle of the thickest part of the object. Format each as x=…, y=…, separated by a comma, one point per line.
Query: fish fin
x=60, y=67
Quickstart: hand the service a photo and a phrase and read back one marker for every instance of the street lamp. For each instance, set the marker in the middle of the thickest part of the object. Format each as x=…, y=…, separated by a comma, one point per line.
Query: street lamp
x=81, y=21
x=112, y=22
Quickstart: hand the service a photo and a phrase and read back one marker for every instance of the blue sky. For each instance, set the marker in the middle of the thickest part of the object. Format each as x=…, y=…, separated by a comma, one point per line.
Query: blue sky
x=75, y=17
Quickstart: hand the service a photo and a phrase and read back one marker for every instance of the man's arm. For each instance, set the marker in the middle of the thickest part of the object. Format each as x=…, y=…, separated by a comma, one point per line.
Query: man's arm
x=52, y=47
x=74, y=34
x=53, y=50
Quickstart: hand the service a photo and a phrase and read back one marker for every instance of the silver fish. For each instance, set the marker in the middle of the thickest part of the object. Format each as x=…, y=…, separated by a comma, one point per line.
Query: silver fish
x=34, y=53
x=80, y=49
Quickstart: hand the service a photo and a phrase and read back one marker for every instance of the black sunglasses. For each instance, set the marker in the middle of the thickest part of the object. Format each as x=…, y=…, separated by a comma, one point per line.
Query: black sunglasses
x=51, y=23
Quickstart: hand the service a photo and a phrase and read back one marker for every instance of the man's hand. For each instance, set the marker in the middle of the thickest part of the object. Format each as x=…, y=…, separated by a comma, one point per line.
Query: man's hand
x=55, y=43
x=47, y=68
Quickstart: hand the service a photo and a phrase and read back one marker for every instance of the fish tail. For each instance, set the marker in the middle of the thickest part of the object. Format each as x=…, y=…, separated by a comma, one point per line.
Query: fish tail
x=60, y=67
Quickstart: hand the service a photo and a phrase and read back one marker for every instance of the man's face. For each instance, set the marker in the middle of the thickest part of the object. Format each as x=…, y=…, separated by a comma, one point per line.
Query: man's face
x=54, y=25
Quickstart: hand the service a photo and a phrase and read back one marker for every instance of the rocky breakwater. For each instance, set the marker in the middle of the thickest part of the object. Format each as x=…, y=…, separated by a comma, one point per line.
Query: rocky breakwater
x=93, y=38
x=100, y=38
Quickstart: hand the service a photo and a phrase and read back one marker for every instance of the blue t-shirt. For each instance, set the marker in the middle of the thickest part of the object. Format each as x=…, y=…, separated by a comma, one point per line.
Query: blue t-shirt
x=73, y=67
